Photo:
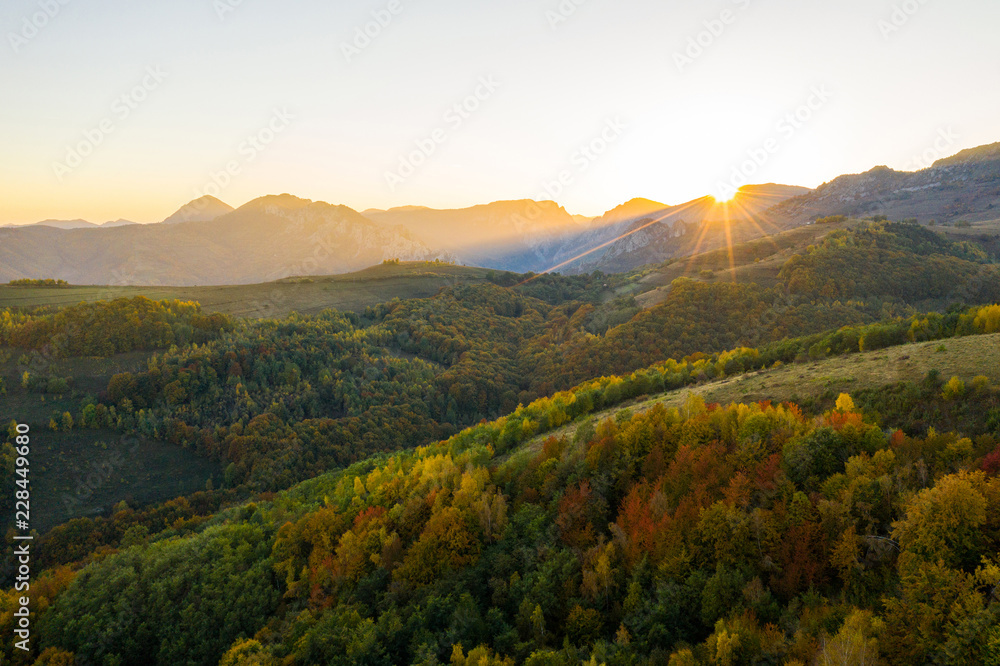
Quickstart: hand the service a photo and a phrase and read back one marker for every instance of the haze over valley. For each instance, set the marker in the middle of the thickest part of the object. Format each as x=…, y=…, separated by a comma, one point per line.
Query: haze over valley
x=207, y=242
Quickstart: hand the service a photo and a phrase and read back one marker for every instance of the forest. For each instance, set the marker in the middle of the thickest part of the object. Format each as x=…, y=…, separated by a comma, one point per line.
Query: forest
x=740, y=534
x=466, y=478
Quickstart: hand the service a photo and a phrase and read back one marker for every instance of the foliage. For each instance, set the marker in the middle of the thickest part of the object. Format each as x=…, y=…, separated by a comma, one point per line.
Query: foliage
x=108, y=328
x=656, y=532
x=892, y=259
x=48, y=282
x=176, y=601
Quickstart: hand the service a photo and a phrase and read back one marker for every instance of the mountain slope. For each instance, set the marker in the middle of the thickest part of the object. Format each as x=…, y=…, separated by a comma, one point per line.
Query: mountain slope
x=963, y=187
x=509, y=235
x=267, y=239
x=643, y=232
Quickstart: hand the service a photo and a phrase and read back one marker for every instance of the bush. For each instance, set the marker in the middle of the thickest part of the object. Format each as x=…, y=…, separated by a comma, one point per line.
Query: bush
x=57, y=385
x=954, y=389
x=993, y=421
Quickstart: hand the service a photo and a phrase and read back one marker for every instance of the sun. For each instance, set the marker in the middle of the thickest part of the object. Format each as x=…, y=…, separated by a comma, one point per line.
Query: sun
x=722, y=201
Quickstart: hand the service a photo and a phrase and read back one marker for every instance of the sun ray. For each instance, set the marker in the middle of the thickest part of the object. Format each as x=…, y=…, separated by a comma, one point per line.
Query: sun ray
x=729, y=241
x=610, y=242
x=743, y=214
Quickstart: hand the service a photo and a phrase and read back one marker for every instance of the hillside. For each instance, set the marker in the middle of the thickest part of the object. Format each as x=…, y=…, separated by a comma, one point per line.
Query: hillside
x=761, y=261
x=534, y=236
x=642, y=232
x=965, y=187
x=642, y=536
x=820, y=382
x=518, y=236
x=349, y=292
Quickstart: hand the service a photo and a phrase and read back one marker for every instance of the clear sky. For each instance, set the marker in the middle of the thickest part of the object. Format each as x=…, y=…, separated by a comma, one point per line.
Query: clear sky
x=127, y=108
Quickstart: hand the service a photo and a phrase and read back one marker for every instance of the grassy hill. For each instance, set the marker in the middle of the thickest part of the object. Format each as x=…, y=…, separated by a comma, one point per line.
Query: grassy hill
x=818, y=383
x=352, y=292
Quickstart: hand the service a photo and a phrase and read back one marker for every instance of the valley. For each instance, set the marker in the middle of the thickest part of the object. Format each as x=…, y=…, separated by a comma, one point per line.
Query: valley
x=433, y=442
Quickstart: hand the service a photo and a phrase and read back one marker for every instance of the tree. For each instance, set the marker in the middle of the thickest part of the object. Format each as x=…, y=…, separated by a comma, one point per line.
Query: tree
x=248, y=653
x=856, y=644
x=954, y=389
x=583, y=625
x=944, y=523
x=55, y=657
x=481, y=656
x=845, y=403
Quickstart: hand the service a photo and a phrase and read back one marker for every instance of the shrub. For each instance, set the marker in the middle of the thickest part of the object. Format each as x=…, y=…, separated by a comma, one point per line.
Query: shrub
x=57, y=385
x=954, y=389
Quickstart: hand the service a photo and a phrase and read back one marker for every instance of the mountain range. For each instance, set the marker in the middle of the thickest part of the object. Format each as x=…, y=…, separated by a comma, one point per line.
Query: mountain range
x=74, y=224
x=207, y=242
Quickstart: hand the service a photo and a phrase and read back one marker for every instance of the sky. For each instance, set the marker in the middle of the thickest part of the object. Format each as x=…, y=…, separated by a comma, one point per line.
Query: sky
x=130, y=108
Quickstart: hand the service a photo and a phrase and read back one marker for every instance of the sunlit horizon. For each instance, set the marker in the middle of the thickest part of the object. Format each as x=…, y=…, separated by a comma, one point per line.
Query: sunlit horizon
x=590, y=109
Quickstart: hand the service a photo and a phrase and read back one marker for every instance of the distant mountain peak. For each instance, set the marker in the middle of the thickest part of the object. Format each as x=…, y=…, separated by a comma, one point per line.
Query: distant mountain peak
x=282, y=200
x=203, y=209
x=292, y=207
x=630, y=210
x=640, y=202
x=397, y=209
x=65, y=224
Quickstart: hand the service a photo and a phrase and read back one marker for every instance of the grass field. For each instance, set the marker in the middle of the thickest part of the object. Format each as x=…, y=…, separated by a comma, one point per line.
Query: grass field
x=825, y=380
x=986, y=234
x=351, y=292
x=85, y=472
